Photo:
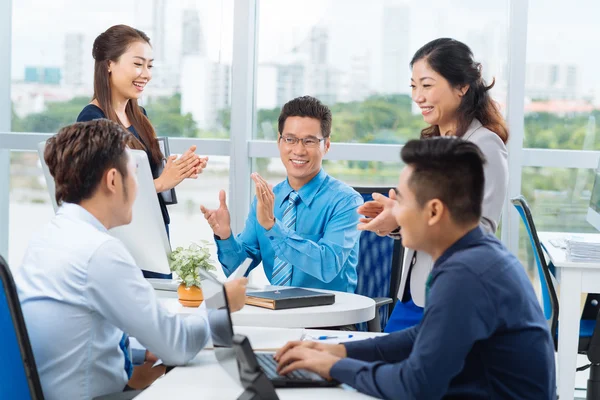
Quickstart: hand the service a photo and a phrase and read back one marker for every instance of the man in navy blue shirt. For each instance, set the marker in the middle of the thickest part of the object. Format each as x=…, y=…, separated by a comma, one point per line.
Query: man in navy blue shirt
x=483, y=334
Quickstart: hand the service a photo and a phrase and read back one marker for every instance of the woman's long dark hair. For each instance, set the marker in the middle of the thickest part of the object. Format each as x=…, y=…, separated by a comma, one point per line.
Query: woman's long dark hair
x=109, y=46
x=454, y=61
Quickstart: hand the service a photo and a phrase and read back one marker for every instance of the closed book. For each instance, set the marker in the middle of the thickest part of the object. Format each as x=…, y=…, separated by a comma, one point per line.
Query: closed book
x=289, y=298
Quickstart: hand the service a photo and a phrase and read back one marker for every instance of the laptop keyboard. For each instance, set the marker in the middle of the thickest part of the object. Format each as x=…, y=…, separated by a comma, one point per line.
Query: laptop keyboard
x=269, y=366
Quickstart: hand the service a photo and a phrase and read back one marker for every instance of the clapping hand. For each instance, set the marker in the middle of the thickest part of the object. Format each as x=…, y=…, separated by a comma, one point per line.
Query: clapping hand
x=178, y=169
x=265, y=202
x=378, y=214
x=219, y=219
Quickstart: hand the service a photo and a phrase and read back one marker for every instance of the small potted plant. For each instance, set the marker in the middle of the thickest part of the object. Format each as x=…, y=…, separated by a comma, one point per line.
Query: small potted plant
x=186, y=264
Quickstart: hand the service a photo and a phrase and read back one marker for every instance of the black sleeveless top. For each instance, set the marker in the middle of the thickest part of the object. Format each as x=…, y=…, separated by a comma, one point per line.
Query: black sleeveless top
x=92, y=112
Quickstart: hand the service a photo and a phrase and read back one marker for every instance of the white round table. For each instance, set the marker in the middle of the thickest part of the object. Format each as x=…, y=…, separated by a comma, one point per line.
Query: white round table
x=348, y=309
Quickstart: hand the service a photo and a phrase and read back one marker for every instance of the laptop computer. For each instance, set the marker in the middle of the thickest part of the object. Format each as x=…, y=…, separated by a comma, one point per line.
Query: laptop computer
x=219, y=319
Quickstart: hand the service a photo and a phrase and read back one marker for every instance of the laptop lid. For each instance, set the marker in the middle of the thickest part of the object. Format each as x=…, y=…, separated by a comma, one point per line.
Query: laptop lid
x=219, y=320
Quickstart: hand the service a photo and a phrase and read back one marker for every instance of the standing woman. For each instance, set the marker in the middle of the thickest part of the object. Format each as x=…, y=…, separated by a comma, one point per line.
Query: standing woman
x=454, y=100
x=122, y=69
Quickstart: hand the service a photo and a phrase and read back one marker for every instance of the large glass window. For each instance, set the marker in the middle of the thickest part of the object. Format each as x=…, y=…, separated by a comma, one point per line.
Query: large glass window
x=188, y=96
x=355, y=58
x=561, y=111
x=52, y=65
x=562, y=85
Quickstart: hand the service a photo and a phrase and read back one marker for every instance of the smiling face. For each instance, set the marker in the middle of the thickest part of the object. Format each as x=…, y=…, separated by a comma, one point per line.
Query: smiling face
x=435, y=97
x=302, y=163
x=132, y=71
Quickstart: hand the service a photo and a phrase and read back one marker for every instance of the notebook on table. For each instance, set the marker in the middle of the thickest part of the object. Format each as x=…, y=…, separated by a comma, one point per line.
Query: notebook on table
x=289, y=298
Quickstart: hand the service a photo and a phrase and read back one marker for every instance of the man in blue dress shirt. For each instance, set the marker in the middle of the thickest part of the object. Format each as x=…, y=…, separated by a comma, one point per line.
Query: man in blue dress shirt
x=483, y=334
x=80, y=290
x=304, y=229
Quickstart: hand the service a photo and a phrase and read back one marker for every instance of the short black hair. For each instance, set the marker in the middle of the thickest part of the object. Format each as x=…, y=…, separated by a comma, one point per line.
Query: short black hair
x=79, y=155
x=307, y=106
x=449, y=169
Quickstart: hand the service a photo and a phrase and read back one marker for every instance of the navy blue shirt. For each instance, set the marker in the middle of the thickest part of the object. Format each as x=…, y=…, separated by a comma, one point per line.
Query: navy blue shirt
x=483, y=335
x=92, y=112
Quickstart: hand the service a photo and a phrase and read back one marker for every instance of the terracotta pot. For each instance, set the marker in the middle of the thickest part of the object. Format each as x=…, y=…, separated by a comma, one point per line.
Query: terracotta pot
x=190, y=296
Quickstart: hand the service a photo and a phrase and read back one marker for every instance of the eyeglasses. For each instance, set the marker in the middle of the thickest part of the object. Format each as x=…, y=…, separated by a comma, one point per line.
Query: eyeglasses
x=310, y=141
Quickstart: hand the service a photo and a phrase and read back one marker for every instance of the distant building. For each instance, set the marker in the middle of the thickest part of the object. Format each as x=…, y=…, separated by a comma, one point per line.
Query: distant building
x=552, y=81
x=560, y=107
x=279, y=83
x=355, y=84
x=322, y=79
x=395, y=49
x=74, y=53
x=205, y=90
x=192, y=41
x=46, y=75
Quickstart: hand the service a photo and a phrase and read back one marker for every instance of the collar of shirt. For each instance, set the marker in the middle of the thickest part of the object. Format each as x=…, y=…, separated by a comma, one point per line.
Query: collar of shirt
x=75, y=211
x=307, y=192
x=471, y=237
x=473, y=126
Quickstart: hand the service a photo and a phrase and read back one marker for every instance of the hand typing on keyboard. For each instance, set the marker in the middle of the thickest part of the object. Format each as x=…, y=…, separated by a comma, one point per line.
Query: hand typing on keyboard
x=312, y=356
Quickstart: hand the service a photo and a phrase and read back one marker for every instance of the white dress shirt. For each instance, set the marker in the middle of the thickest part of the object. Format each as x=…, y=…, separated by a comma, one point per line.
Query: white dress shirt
x=80, y=290
x=495, y=172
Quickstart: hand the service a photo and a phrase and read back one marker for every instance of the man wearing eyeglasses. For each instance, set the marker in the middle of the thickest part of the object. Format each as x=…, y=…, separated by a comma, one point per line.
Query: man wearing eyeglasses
x=303, y=230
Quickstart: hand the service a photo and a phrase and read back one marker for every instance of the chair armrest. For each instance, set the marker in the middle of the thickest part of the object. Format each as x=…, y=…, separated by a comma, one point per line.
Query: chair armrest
x=382, y=301
x=127, y=395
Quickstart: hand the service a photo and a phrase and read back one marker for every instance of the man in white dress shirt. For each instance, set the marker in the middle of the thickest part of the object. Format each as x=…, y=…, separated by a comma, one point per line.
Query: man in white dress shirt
x=80, y=290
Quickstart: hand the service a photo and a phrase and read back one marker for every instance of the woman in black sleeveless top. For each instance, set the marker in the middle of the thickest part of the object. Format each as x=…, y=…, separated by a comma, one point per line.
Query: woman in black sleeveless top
x=122, y=68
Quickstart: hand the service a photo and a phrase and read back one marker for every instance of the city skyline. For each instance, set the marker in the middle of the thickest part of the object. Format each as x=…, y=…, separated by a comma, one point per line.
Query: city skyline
x=356, y=46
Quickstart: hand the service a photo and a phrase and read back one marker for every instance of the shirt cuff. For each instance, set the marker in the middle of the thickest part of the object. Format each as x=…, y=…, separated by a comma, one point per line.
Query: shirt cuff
x=346, y=370
x=138, y=356
x=356, y=349
x=227, y=244
x=395, y=234
x=278, y=233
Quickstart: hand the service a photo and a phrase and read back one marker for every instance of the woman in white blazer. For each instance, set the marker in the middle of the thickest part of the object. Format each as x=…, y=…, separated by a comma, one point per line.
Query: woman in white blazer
x=454, y=100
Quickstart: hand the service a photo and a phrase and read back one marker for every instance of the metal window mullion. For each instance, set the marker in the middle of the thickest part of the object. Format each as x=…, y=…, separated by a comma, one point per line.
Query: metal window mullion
x=517, y=54
x=243, y=85
x=5, y=119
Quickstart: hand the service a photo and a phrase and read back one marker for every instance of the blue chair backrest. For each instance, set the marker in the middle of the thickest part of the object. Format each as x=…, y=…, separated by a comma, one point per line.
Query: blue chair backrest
x=375, y=261
x=18, y=374
x=549, y=296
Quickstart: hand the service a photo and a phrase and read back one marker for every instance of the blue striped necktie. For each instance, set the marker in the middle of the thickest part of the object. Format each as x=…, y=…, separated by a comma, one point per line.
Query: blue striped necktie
x=282, y=270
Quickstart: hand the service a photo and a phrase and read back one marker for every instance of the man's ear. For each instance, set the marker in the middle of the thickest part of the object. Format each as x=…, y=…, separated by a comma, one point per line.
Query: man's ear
x=111, y=180
x=327, y=144
x=435, y=210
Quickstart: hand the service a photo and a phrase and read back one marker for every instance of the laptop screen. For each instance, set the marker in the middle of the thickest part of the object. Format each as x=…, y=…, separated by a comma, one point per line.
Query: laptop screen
x=219, y=321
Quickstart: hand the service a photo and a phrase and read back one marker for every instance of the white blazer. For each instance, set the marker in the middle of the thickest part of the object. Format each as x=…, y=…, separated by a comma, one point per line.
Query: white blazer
x=496, y=184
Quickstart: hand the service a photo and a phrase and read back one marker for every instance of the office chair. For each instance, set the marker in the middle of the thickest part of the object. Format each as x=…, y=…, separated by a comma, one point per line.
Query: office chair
x=379, y=268
x=589, y=337
x=18, y=373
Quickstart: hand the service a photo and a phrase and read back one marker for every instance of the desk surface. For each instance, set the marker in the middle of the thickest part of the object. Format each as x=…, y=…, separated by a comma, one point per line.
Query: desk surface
x=558, y=255
x=205, y=379
x=348, y=309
